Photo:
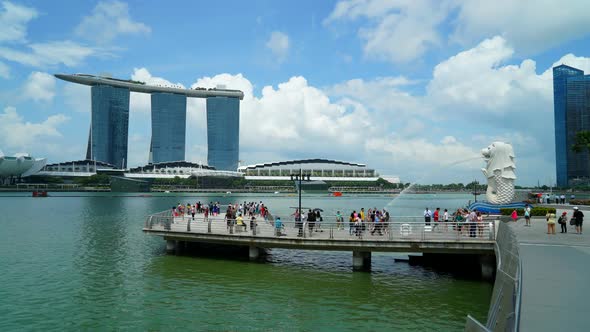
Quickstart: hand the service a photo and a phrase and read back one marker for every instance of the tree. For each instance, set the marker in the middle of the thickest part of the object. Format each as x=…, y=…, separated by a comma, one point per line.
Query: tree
x=582, y=142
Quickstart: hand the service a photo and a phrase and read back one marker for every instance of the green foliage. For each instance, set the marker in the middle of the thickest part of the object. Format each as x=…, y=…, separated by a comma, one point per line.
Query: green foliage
x=535, y=212
x=580, y=202
x=96, y=179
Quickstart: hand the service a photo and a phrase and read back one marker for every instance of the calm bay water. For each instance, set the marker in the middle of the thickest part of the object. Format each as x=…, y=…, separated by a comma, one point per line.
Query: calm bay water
x=82, y=262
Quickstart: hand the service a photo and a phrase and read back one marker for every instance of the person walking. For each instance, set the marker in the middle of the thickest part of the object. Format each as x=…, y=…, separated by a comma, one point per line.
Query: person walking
x=550, y=223
x=563, y=222
x=446, y=219
x=579, y=218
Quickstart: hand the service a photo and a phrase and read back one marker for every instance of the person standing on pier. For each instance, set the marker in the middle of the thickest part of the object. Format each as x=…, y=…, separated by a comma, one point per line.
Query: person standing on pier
x=427, y=216
x=563, y=222
x=550, y=223
x=472, y=223
x=339, y=220
x=527, y=215
x=579, y=217
x=311, y=221
x=514, y=215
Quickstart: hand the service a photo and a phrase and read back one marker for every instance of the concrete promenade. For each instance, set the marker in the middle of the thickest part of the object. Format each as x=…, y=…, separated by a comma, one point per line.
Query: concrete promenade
x=556, y=276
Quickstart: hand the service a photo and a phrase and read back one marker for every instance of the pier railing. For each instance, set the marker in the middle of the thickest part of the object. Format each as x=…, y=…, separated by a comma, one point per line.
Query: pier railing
x=398, y=228
x=504, y=312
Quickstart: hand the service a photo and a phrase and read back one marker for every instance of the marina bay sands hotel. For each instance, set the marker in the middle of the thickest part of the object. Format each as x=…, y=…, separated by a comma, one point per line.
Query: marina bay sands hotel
x=109, y=127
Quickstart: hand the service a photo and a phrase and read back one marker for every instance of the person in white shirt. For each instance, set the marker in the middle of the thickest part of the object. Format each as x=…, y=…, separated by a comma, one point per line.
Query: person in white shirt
x=427, y=216
x=446, y=218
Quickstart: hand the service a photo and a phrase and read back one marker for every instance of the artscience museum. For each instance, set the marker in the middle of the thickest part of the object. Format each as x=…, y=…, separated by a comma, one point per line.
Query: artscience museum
x=19, y=165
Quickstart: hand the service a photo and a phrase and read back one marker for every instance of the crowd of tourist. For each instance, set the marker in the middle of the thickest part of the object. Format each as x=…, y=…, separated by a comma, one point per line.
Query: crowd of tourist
x=234, y=213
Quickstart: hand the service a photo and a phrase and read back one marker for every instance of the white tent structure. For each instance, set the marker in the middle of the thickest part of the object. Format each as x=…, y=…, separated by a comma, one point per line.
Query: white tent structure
x=20, y=165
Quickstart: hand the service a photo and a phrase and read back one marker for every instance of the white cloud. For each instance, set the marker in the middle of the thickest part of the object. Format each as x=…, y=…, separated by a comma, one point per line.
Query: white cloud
x=17, y=134
x=52, y=53
x=397, y=31
x=278, y=43
x=384, y=95
x=39, y=87
x=4, y=70
x=477, y=81
x=109, y=19
x=13, y=20
x=401, y=30
x=531, y=26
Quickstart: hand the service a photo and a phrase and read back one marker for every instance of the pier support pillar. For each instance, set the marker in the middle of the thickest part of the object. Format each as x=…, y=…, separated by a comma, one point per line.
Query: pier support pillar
x=361, y=260
x=171, y=246
x=488, y=267
x=253, y=253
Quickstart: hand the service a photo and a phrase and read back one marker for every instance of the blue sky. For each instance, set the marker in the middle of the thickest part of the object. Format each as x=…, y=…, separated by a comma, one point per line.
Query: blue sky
x=407, y=87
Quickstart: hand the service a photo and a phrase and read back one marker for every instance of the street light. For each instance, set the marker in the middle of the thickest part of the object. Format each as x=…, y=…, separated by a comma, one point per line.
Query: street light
x=300, y=177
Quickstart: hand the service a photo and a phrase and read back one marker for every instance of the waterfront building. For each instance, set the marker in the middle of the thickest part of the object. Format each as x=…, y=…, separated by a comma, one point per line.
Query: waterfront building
x=318, y=169
x=223, y=132
x=109, y=126
x=571, y=101
x=19, y=165
x=168, y=127
x=110, y=121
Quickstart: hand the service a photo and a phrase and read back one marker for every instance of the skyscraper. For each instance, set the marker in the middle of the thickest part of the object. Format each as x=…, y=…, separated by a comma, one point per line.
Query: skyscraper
x=223, y=132
x=107, y=139
x=109, y=125
x=168, y=127
x=571, y=102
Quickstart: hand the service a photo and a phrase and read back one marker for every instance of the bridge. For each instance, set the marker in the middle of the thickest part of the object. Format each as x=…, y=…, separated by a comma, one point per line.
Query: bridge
x=401, y=234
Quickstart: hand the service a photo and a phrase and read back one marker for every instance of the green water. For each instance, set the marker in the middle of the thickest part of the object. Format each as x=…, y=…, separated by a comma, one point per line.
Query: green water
x=82, y=263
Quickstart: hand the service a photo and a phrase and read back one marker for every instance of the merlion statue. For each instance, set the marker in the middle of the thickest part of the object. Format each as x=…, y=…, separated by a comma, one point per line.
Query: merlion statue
x=499, y=172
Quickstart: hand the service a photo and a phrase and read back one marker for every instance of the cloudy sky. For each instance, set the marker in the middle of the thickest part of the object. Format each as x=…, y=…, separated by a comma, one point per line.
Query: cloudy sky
x=409, y=87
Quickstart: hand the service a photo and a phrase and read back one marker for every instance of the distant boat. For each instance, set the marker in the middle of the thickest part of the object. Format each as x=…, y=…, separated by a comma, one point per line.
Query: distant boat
x=277, y=192
x=337, y=194
x=167, y=191
x=228, y=192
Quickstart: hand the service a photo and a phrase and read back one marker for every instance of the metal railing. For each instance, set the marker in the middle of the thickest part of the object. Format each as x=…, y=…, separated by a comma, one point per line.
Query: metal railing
x=504, y=312
x=398, y=228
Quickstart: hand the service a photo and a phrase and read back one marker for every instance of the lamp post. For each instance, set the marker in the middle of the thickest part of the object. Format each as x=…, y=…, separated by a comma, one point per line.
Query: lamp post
x=475, y=193
x=300, y=177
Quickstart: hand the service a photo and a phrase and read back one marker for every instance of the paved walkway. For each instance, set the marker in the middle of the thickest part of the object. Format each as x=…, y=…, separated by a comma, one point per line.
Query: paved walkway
x=556, y=277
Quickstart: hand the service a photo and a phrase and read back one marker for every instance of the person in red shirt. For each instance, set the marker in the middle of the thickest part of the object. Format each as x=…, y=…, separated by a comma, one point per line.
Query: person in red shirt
x=436, y=217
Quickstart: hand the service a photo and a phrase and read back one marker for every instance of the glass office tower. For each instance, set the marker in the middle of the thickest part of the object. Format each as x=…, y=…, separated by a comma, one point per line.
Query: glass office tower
x=109, y=126
x=223, y=132
x=571, y=102
x=168, y=127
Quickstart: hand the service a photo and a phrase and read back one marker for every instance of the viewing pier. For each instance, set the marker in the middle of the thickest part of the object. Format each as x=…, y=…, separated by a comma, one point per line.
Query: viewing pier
x=403, y=234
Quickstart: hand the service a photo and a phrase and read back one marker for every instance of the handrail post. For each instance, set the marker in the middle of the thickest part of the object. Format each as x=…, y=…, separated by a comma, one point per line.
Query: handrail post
x=188, y=225
x=208, y=225
x=331, y=232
